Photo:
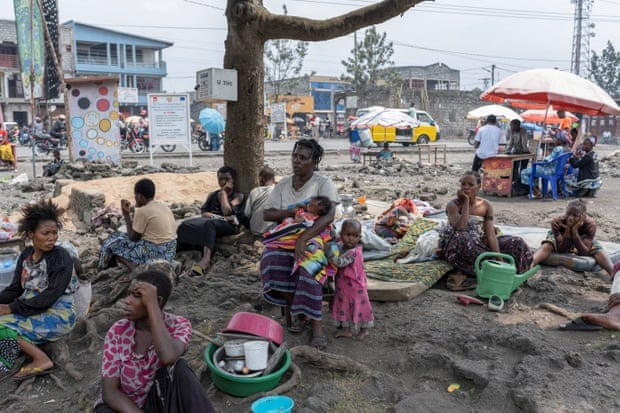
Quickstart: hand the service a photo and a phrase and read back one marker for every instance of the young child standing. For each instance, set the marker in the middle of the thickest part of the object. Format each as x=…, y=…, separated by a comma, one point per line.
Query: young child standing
x=573, y=232
x=351, y=308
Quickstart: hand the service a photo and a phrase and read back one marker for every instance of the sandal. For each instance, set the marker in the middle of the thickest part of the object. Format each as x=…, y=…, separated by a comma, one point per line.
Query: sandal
x=460, y=282
x=195, y=271
x=319, y=342
x=297, y=326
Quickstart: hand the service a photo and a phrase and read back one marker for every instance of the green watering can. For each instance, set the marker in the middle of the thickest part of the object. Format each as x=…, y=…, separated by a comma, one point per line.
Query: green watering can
x=498, y=277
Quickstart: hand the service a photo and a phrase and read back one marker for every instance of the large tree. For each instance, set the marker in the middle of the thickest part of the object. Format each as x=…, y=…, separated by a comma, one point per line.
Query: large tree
x=250, y=25
x=370, y=67
x=605, y=70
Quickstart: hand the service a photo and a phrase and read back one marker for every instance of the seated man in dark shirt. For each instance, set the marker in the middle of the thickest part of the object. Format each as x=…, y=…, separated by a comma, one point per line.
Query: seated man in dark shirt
x=587, y=180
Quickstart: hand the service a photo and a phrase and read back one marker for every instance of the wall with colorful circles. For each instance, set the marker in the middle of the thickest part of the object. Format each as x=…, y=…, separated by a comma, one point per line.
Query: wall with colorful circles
x=93, y=119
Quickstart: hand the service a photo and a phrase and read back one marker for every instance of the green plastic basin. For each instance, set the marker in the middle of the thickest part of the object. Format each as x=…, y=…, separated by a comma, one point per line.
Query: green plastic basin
x=245, y=386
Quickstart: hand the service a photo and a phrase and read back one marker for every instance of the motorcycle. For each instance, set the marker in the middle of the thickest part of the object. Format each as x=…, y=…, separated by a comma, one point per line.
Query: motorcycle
x=202, y=138
x=130, y=140
x=471, y=136
x=45, y=144
x=143, y=134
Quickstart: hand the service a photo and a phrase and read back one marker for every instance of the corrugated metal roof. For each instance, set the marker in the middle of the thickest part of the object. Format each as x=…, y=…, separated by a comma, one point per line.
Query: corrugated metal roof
x=8, y=32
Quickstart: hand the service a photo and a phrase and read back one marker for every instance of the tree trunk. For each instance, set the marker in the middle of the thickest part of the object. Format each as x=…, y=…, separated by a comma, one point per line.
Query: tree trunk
x=244, y=146
x=249, y=26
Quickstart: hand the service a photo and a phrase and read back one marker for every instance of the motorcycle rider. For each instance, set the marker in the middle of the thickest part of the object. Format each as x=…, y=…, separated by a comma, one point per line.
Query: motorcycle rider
x=59, y=131
x=38, y=128
x=143, y=122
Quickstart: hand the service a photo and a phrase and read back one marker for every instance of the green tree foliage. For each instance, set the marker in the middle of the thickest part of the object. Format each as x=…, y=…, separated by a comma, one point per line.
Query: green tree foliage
x=284, y=60
x=605, y=70
x=371, y=67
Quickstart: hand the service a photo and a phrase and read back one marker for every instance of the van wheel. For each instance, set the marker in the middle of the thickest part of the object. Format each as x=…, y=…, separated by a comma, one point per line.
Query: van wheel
x=405, y=144
x=423, y=140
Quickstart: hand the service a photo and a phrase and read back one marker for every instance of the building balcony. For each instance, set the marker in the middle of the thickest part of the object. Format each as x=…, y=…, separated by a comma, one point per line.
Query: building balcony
x=9, y=61
x=100, y=65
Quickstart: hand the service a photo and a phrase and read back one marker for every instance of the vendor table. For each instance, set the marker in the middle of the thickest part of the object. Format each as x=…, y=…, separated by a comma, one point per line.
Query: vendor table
x=497, y=173
x=430, y=148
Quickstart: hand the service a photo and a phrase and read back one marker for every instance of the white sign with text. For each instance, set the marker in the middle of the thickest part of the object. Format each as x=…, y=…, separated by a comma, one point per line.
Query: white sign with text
x=215, y=83
x=169, y=122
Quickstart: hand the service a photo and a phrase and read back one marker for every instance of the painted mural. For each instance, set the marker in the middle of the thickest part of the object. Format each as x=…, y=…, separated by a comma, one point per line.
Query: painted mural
x=93, y=109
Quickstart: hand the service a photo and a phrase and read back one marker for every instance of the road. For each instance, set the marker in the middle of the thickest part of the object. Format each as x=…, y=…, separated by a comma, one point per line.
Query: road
x=336, y=149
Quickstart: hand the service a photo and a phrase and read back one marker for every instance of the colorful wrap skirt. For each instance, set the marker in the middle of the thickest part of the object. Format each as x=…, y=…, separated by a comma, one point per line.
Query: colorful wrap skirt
x=276, y=267
x=136, y=252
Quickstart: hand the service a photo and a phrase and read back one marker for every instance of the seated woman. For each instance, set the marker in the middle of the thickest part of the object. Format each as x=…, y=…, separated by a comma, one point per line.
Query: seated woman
x=294, y=278
x=7, y=151
x=37, y=306
x=470, y=232
x=218, y=219
x=150, y=235
x=561, y=146
x=142, y=368
x=587, y=181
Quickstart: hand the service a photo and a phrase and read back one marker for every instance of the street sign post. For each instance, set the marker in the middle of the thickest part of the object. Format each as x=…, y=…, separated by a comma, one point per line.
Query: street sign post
x=215, y=83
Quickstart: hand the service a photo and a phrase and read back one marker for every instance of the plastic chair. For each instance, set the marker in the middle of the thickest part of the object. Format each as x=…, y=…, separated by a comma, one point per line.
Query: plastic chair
x=554, y=178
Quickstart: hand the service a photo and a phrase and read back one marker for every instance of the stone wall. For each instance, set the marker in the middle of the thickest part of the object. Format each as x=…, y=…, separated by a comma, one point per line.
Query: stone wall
x=449, y=108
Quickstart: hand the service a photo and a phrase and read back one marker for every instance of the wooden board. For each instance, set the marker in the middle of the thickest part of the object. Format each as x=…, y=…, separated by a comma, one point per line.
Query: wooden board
x=394, y=291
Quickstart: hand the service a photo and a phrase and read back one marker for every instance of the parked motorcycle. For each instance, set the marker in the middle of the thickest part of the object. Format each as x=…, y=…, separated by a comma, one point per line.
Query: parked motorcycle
x=471, y=136
x=202, y=138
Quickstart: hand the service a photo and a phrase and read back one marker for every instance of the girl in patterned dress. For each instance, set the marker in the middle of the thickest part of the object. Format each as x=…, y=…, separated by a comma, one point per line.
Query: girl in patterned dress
x=351, y=309
x=142, y=368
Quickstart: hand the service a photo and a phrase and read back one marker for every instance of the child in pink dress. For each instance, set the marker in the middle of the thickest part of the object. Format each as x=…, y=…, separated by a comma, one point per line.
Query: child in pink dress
x=351, y=308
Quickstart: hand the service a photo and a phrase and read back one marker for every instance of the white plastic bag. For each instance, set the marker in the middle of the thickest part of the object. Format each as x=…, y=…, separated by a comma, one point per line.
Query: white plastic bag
x=19, y=179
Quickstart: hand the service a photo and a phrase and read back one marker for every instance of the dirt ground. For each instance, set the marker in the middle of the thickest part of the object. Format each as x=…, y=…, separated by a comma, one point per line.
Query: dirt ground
x=511, y=361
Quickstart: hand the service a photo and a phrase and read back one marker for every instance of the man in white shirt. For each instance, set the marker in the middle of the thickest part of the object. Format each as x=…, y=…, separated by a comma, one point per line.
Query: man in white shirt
x=487, y=142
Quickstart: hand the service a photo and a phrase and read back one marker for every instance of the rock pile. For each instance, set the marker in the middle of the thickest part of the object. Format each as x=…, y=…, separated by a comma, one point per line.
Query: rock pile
x=83, y=170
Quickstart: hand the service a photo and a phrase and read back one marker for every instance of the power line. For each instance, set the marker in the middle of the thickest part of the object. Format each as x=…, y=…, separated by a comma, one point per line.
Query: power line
x=204, y=5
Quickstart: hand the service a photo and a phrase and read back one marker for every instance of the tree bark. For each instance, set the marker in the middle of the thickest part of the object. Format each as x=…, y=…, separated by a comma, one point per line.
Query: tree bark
x=250, y=25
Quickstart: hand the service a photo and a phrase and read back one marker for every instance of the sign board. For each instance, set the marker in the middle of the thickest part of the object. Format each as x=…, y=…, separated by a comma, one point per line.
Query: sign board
x=214, y=83
x=128, y=95
x=351, y=102
x=278, y=112
x=169, y=118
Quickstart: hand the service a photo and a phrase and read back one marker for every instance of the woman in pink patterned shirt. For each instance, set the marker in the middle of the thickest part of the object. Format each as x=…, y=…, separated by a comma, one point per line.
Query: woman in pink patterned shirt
x=142, y=368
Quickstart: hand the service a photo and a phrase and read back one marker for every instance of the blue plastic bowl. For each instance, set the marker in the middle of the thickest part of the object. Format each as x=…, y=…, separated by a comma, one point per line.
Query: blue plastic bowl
x=273, y=404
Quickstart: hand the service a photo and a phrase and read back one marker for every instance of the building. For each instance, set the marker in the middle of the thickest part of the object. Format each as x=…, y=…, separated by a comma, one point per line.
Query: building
x=13, y=106
x=85, y=50
x=137, y=60
x=323, y=90
x=437, y=76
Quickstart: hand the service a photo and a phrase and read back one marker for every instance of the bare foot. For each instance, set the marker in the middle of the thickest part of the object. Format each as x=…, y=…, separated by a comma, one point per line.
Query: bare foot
x=609, y=320
x=34, y=367
x=344, y=334
x=362, y=334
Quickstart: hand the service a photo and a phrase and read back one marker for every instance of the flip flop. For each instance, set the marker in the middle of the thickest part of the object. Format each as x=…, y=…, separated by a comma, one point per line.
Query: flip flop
x=297, y=327
x=195, y=271
x=467, y=300
x=319, y=342
x=32, y=372
x=579, y=324
x=460, y=283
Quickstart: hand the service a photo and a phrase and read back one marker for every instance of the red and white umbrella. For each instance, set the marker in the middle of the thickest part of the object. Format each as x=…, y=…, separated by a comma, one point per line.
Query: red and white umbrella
x=550, y=116
x=386, y=118
x=563, y=90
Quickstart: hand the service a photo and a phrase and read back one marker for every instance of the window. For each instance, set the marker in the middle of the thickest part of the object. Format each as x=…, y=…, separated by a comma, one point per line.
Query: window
x=139, y=56
x=148, y=84
x=113, y=54
x=423, y=117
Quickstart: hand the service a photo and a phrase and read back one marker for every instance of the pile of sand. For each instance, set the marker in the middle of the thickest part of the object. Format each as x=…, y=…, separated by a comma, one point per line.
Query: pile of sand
x=170, y=188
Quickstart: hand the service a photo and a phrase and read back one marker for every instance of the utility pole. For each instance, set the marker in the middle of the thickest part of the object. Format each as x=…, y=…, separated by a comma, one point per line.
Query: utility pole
x=355, y=71
x=583, y=30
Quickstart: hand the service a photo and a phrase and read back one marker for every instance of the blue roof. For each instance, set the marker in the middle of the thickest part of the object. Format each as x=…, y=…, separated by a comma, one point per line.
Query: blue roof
x=87, y=32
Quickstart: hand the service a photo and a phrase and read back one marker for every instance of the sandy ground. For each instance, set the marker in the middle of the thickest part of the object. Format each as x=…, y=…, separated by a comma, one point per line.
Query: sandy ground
x=515, y=360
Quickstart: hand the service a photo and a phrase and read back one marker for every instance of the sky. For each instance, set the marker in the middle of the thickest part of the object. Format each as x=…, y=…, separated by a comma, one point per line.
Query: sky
x=467, y=36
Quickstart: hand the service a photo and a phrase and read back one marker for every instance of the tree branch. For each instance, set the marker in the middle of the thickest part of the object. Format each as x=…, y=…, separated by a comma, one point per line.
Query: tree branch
x=276, y=26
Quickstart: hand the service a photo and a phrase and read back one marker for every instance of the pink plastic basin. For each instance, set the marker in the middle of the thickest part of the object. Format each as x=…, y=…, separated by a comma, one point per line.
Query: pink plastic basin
x=256, y=325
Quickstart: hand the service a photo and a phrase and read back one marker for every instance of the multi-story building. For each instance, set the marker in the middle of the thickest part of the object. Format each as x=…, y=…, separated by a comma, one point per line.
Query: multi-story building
x=137, y=60
x=13, y=107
